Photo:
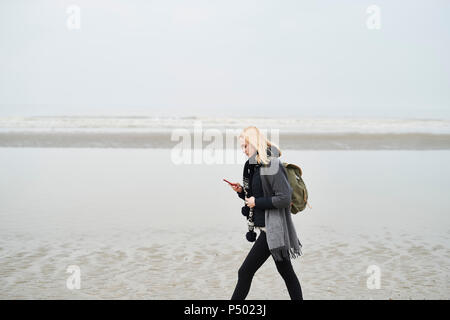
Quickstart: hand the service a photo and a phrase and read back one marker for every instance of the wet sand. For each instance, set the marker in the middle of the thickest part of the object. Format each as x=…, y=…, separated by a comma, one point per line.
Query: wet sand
x=202, y=264
x=294, y=141
x=109, y=212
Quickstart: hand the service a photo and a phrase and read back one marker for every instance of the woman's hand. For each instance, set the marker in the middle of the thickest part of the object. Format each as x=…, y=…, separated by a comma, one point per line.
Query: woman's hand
x=236, y=187
x=250, y=202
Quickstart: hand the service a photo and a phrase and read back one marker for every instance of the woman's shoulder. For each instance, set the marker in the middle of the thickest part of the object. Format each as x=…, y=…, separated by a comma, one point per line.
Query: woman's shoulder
x=272, y=167
x=273, y=161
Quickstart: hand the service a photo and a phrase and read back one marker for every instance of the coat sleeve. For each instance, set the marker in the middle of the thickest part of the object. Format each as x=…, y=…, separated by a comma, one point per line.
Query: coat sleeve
x=264, y=203
x=241, y=194
x=282, y=191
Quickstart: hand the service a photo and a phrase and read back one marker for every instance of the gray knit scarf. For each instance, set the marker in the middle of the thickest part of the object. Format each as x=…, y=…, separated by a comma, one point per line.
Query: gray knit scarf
x=280, y=230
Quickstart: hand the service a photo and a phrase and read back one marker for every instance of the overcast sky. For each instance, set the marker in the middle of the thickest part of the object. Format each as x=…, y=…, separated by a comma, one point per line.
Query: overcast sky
x=225, y=57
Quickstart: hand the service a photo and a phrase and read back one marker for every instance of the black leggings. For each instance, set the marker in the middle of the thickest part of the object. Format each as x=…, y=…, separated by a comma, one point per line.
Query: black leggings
x=256, y=257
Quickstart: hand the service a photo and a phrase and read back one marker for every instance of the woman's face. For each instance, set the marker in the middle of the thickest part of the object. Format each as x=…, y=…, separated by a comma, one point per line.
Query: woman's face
x=247, y=148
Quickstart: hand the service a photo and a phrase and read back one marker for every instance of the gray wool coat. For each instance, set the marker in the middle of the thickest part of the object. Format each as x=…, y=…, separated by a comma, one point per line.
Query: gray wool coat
x=281, y=235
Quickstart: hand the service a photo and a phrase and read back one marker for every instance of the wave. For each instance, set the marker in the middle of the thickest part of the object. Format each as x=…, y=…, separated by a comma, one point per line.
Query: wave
x=284, y=125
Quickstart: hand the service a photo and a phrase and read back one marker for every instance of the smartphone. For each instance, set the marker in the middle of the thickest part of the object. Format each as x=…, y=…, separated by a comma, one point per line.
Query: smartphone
x=233, y=184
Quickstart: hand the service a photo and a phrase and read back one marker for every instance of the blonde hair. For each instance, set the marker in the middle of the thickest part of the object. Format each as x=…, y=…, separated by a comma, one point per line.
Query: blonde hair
x=259, y=141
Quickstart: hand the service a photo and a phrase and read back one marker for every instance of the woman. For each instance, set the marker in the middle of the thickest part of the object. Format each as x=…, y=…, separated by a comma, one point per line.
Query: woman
x=270, y=199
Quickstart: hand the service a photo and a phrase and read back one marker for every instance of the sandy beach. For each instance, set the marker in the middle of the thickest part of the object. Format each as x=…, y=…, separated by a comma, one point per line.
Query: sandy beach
x=109, y=212
x=202, y=263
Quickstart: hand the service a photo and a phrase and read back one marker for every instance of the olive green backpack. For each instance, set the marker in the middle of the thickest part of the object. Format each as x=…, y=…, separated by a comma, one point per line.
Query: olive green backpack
x=299, y=191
